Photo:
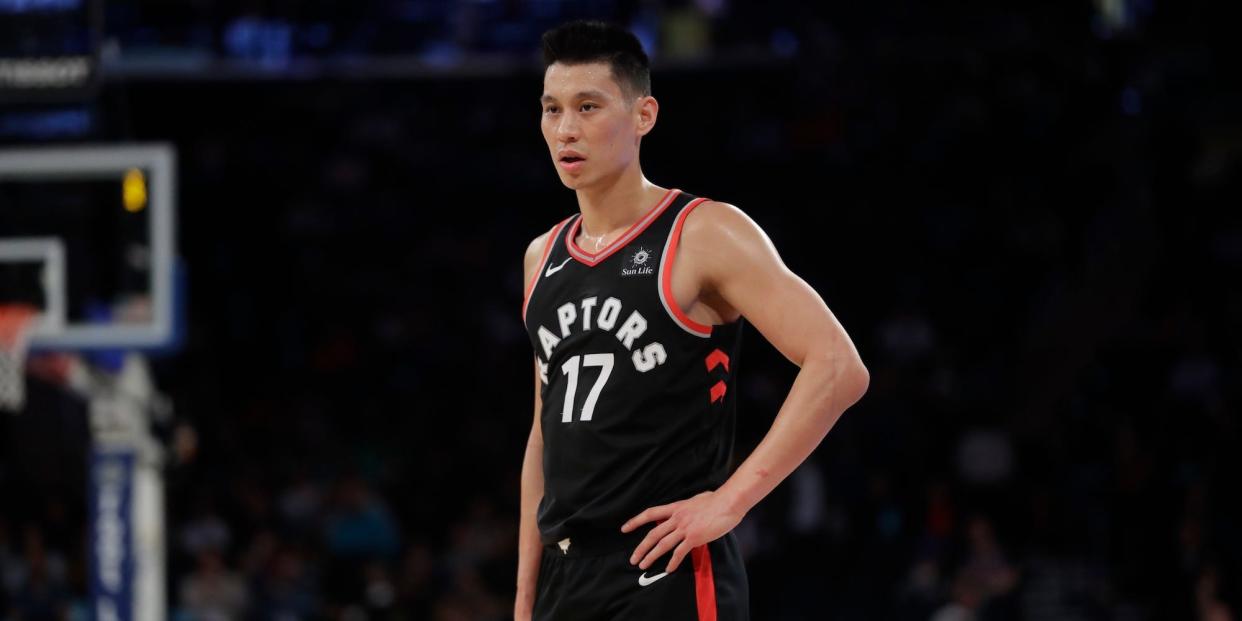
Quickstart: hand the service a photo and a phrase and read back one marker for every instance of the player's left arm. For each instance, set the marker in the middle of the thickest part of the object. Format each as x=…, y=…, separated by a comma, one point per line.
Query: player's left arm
x=741, y=273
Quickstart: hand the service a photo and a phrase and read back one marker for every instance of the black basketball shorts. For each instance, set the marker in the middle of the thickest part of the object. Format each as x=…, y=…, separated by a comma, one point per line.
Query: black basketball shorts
x=590, y=581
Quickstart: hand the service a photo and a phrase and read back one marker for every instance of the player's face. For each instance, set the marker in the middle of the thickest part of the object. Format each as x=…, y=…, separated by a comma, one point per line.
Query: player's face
x=591, y=126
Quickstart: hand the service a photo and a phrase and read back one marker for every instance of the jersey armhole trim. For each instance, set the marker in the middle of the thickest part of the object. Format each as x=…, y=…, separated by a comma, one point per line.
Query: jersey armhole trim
x=543, y=260
x=666, y=276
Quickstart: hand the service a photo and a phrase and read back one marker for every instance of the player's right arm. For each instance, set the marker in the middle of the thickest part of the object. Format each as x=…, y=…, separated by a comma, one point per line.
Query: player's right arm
x=530, y=548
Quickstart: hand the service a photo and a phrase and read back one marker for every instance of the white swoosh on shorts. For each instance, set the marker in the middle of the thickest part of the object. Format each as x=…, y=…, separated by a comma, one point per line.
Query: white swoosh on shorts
x=643, y=580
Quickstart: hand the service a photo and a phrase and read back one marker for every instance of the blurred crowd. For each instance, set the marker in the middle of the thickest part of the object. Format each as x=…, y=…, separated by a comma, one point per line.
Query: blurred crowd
x=1026, y=226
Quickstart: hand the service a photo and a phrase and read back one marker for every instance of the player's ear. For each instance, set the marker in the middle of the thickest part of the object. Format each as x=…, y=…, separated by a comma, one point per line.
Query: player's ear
x=646, y=109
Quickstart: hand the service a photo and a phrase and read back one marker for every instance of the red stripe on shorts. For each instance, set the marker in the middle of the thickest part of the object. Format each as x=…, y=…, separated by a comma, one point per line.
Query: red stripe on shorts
x=704, y=583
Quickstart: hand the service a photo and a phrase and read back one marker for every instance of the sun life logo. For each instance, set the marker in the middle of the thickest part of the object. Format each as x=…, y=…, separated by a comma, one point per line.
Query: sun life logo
x=638, y=264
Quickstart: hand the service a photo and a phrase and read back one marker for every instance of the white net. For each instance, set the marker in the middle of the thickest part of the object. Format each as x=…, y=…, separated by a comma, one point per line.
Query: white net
x=15, y=323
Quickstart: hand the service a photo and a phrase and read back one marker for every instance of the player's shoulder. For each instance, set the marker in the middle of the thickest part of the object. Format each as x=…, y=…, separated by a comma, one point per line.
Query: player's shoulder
x=535, y=248
x=712, y=219
x=725, y=241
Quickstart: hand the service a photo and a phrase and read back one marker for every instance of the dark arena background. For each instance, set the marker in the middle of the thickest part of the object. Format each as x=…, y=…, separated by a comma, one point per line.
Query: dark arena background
x=1025, y=214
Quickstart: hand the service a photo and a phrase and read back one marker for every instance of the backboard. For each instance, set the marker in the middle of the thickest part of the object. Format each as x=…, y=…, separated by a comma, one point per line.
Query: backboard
x=87, y=235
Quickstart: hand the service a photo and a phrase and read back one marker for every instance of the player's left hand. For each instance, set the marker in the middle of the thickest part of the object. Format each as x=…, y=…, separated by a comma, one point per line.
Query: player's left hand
x=681, y=527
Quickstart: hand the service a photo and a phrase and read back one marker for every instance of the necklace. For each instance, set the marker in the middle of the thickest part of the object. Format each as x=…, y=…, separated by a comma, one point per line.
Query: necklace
x=596, y=241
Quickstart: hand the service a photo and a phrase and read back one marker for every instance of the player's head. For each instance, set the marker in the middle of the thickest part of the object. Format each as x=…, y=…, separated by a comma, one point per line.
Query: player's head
x=597, y=102
x=589, y=42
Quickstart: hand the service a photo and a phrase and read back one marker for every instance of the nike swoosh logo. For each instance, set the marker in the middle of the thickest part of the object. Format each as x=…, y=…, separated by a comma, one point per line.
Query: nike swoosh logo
x=643, y=580
x=553, y=270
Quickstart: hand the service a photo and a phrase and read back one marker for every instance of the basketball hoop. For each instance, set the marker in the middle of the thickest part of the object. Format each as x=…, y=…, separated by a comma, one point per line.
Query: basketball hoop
x=16, y=320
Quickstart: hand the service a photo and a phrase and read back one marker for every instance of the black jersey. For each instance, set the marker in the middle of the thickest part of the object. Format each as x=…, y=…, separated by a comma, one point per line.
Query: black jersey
x=638, y=399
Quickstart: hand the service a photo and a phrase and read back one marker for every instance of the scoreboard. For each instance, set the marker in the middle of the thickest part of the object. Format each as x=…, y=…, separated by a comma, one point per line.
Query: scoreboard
x=49, y=50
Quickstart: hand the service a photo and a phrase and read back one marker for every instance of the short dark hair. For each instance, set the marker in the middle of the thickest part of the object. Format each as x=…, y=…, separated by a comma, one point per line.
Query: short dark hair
x=584, y=41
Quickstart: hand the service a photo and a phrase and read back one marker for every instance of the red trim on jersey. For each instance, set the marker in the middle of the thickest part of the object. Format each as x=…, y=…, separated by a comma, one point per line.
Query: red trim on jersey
x=717, y=358
x=636, y=229
x=718, y=391
x=667, y=276
x=704, y=583
x=543, y=259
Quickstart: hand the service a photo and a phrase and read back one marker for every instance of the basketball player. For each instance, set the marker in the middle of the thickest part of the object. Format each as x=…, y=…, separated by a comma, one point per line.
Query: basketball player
x=635, y=307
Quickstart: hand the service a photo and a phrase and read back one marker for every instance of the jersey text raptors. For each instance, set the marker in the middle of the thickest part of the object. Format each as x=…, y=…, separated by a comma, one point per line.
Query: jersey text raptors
x=638, y=399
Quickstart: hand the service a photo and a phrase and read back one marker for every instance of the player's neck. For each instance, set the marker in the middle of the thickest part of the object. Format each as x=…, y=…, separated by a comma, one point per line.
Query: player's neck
x=609, y=209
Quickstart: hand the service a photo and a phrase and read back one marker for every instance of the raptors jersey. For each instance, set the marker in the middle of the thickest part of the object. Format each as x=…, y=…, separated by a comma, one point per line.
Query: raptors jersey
x=638, y=399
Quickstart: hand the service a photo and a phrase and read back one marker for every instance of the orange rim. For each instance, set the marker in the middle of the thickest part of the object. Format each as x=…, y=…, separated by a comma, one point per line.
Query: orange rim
x=15, y=320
